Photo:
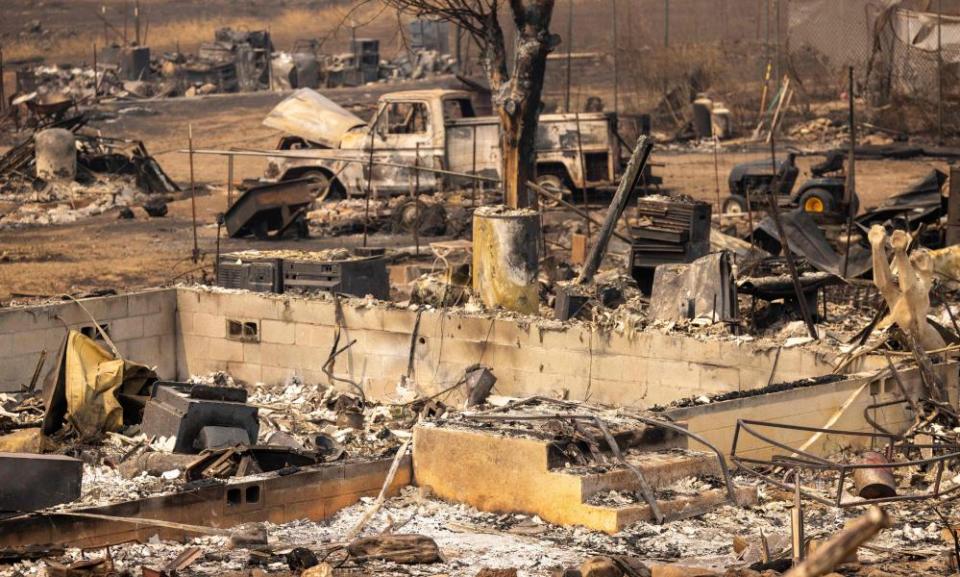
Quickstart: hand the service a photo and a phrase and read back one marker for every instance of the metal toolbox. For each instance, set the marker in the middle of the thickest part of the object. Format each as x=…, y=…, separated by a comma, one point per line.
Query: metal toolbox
x=667, y=231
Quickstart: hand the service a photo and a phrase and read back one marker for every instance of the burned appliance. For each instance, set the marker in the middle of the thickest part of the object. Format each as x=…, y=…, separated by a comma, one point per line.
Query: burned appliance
x=667, y=230
x=252, y=273
x=200, y=416
x=354, y=276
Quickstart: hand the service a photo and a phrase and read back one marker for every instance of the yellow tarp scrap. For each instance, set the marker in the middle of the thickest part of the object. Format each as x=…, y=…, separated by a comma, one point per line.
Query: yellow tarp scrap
x=93, y=379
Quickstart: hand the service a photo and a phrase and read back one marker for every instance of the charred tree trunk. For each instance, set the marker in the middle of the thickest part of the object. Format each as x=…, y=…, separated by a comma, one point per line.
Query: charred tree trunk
x=517, y=99
x=516, y=94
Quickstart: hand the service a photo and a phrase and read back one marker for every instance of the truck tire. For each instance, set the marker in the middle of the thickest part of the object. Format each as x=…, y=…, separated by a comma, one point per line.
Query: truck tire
x=817, y=201
x=735, y=204
x=554, y=184
x=322, y=185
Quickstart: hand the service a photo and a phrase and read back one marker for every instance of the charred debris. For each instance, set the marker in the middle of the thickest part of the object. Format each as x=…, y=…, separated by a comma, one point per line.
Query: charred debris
x=61, y=171
x=121, y=470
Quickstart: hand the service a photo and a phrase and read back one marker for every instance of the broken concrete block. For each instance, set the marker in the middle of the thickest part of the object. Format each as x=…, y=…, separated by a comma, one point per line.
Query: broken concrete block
x=218, y=437
x=182, y=411
x=41, y=481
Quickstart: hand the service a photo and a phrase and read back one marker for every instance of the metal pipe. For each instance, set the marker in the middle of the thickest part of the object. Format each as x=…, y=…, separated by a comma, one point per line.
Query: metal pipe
x=566, y=100
x=366, y=211
x=940, y=72
x=416, y=201
x=616, y=65
x=666, y=23
x=193, y=196
x=848, y=194
x=796, y=520
x=229, y=181
x=473, y=201
x=286, y=154
x=727, y=479
x=559, y=199
x=96, y=86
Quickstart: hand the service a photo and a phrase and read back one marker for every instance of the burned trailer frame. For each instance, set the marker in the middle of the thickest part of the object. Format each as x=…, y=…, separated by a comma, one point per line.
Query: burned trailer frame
x=271, y=208
x=802, y=459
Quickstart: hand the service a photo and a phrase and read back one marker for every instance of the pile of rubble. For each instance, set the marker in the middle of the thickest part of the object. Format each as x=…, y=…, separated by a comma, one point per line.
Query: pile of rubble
x=60, y=174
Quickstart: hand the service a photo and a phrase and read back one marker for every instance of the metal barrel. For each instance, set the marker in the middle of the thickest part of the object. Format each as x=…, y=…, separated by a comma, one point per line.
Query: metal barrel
x=874, y=482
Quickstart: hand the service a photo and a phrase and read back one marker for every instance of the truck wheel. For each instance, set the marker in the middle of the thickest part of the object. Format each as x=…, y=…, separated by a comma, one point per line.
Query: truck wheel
x=322, y=187
x=817, y=201
x=553, y=184
x=735, y=204
x=302, y=227
x=261, y=229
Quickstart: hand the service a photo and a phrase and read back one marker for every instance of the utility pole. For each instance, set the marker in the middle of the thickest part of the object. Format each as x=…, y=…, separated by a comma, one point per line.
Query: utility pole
x=136, y=21
x=616, y=62
x=766, y=23
x=106, y=34
x=940, y=72
x=776, y=14
x=848, y=194
x=566, y=99
x=666, y=23
x=3, y=94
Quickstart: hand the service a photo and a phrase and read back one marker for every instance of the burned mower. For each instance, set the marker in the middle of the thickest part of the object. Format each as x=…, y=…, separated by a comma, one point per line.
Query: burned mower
x=822, y=196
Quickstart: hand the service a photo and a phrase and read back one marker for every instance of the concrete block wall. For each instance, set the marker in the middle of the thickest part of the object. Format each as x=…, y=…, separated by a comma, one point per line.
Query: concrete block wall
x=296, y=335
x=142, y=325
x=813, y=406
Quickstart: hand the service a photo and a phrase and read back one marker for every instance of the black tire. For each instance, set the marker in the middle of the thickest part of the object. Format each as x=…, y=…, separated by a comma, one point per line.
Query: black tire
x=855, y=204
x=735, y=204
x=323, y=187
x=553, y=184
x=302, y=227
x=261, y=230
x=818, y=201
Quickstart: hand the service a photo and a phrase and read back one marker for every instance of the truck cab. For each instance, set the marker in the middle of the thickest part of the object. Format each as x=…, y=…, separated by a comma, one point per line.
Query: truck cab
x=415, y=131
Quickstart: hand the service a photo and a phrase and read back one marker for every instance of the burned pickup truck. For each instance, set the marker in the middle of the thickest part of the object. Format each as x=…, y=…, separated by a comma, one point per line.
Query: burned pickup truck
x=437, y=131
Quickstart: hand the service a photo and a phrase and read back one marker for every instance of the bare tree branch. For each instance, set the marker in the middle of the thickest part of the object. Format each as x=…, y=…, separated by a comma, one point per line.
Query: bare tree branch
x=516, y=93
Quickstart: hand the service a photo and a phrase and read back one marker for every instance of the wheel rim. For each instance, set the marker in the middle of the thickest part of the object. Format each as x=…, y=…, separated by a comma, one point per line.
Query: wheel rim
x=554, y=185
x=732, y=207
x=813, y=204
x=320, y=186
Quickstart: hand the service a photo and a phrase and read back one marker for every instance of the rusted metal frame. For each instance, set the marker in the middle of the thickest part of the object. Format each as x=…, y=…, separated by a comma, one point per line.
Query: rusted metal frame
x=838, y=500
x=473, y=199
x=645, y=489
x=874, y=407
x=901, y=385
x=727, y=479
x=780, y=484
x=818, y=463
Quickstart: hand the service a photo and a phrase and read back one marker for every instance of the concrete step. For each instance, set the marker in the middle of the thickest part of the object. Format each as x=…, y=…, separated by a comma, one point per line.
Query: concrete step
x=660, y=469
